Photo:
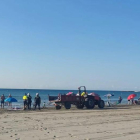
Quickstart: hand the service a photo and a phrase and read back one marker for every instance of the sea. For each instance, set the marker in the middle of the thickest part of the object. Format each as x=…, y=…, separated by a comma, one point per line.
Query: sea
x=18, y=94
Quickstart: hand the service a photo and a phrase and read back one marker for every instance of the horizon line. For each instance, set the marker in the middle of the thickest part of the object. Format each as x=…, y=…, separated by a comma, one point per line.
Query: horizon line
x=67, y=89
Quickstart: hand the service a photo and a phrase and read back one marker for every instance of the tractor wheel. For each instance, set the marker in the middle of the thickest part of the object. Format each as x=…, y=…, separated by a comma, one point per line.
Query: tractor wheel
x=101, y=104
x=58, y=107
x=80, y=106
x=67, y=105
x=90, y=103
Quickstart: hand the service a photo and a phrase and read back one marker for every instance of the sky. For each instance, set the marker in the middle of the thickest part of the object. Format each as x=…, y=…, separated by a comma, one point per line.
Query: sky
x=64, y=44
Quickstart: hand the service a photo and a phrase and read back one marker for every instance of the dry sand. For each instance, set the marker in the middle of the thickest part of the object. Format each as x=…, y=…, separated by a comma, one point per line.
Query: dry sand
x=115, y=123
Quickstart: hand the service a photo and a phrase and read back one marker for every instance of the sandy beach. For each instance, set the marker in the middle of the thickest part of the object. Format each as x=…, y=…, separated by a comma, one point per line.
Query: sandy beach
x=114, y=123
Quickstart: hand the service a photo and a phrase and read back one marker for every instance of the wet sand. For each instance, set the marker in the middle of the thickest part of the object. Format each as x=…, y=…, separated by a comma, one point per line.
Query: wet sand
x=111, y=123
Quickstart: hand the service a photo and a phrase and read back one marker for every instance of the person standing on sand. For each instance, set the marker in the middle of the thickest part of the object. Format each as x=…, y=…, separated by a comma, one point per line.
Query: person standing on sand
x=29, y=100
x=25, y=101
x=37, y=101
x=44, y=105
x=9, y=96
x=108, y=101
x=2, y=100
x=128, y=102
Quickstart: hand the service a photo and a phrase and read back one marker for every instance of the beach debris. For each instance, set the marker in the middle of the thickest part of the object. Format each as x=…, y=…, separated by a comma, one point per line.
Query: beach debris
x=17, y=139
x=28, y=117
x=71, y=135
x=45, y=128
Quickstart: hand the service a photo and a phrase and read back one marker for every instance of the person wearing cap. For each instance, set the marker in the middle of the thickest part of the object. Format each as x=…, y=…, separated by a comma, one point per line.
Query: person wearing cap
x=25, y=101
x=29, y=100
x=37, y=101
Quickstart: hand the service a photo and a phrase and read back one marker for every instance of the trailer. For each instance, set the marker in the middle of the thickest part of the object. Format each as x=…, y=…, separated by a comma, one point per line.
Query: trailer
x=88, y=101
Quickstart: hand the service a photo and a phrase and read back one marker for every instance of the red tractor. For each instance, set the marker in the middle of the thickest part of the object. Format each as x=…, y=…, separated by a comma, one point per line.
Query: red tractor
x=89, y=101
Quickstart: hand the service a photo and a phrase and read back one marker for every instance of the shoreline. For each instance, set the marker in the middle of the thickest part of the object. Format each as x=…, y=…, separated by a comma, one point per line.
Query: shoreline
x=73, y=108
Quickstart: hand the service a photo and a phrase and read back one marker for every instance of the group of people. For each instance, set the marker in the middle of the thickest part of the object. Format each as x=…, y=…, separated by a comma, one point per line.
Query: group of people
x=3, y=102
x=130, y=102
x=27, y=101
x=134, y=102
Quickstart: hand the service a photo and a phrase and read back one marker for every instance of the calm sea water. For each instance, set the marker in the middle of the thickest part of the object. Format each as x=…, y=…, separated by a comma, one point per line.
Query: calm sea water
x=18, y=94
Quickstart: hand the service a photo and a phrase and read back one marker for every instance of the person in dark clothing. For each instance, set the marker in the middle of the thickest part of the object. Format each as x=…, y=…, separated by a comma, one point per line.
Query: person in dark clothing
x=120, y=100
x=37, y=101
x=2, y=100
x=29, y=100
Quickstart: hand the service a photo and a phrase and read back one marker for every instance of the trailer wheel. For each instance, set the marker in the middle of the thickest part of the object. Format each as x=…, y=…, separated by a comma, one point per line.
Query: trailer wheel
x=67, y=105
x=80, y=106
x=101, y=104
x=58, y=107
x=90, y=103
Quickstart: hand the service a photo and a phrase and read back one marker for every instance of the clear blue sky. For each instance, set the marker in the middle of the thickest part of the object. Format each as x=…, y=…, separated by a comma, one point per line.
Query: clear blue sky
x=63, y=44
